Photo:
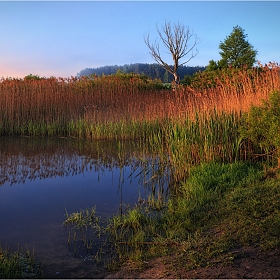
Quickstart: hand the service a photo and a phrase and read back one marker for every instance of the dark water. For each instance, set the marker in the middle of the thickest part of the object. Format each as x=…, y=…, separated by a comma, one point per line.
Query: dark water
x=40, y=178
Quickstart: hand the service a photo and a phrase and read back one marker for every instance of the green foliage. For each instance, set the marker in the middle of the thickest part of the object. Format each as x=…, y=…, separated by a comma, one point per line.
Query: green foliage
x=128, y=76
x=236, y=51
x=33, y=77
x=212, y=66
x=262, y=125
x=202, y=80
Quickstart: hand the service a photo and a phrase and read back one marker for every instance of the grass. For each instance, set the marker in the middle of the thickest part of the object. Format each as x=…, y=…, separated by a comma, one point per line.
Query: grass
x=20, y=264
x=232, y=199
x=245, y=215
x=218, y=208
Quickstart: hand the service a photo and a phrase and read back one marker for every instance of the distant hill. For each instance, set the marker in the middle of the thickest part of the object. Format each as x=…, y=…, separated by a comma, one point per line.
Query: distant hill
x=151, y=70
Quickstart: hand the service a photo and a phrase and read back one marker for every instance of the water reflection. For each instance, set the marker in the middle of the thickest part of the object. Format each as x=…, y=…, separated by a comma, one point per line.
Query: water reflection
x=24, y=159
x=40, y=178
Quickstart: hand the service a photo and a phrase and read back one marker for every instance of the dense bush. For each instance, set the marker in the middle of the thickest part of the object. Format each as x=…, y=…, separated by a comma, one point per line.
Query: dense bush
x=261, y=125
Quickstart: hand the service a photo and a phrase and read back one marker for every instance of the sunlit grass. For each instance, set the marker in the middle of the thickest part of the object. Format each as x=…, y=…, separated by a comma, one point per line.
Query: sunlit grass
x=218, y=208
x=231, y=199
x=81, y=107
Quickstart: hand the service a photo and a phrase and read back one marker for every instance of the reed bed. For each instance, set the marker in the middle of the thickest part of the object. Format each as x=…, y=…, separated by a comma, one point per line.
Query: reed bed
x=78, y=107
x=121, y=105
x=229, y=90
x=196, y=123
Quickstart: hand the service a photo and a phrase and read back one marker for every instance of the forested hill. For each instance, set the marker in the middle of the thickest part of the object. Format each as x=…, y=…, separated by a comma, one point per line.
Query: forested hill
x=151, y=70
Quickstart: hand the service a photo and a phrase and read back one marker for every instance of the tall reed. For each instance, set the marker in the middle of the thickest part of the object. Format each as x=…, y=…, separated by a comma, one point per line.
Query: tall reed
x=205, y=138
x=84, y=107
x=77, y=107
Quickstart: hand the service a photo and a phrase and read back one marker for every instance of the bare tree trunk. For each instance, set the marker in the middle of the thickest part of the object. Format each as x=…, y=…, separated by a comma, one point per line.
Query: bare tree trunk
x=176, y=79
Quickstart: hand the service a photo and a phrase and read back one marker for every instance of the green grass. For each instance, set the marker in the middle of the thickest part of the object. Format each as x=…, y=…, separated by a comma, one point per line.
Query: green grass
x=84, y=129
x=19, y=265
x=234, y=200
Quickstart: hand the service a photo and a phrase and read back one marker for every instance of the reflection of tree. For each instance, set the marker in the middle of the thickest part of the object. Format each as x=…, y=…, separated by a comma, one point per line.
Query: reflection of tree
x=24, y=159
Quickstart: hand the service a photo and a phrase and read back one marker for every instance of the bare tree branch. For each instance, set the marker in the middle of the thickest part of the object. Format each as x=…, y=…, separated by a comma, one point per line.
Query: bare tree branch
x=176, y=39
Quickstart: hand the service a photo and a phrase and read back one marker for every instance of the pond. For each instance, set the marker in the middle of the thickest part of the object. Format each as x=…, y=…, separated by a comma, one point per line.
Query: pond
x=42, y=178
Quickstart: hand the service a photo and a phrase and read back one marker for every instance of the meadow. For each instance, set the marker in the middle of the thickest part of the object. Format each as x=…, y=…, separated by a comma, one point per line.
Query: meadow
x=218, y=175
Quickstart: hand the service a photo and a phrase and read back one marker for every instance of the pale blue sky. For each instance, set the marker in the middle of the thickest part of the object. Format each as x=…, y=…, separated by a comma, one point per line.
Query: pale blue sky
x=61, y=38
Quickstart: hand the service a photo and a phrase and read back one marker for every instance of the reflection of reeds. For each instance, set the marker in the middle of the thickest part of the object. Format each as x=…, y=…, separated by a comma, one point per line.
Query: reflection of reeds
x=23, y=158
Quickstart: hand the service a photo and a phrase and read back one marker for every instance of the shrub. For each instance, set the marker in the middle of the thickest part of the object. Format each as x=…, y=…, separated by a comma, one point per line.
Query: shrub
x=262, y=125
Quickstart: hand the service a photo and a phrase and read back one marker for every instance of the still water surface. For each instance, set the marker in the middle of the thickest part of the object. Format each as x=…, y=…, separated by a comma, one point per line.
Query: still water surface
x=40, y=178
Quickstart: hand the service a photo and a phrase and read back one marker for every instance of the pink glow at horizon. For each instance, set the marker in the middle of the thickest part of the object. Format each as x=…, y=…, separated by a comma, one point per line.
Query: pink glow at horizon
x=60, y=38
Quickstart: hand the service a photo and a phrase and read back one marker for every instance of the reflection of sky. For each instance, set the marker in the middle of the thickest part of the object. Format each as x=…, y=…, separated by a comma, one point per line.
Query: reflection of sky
x=44, y=201
x=32, y=212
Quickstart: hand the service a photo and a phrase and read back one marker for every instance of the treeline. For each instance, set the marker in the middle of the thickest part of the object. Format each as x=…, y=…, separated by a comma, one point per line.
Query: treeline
x=153, y=71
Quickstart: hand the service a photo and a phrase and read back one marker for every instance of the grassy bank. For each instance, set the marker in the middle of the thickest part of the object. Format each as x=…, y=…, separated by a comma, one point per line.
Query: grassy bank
x=218, y=209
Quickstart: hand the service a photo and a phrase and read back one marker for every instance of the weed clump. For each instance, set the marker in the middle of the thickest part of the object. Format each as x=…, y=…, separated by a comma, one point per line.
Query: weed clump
x=261, y=125
x=20, y=264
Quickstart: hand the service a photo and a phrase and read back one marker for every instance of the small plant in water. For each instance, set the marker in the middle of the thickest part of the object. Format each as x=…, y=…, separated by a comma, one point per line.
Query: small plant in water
x=86, y=227
x=19, y=264
x=83, y=219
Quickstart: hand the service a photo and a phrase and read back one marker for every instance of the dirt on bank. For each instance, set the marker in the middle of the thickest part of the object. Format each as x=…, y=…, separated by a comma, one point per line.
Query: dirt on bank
x=248, y=263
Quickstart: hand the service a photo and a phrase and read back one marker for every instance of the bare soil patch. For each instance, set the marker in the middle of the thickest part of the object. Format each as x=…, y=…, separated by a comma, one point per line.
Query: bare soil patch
x=248, y=263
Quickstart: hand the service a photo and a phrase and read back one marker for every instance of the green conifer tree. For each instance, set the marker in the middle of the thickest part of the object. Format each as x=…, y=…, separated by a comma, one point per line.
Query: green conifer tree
x=236, y=51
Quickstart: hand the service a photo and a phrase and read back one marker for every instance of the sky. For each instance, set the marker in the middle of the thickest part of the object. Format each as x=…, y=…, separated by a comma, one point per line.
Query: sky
x=60, y=38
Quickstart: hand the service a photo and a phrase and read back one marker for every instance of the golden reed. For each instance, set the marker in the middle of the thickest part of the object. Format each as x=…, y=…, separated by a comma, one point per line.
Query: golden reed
x=128, y=97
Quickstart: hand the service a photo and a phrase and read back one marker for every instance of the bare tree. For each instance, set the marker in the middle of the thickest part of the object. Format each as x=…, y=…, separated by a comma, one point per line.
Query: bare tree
x=176, y=39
